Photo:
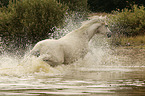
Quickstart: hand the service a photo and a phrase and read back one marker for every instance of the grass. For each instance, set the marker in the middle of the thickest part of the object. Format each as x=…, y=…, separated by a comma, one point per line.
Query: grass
x=133, y=42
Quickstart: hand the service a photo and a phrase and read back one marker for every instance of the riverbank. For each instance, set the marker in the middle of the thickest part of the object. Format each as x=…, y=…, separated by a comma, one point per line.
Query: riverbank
x=137, y=42
x=132, y=42
x=131, y=56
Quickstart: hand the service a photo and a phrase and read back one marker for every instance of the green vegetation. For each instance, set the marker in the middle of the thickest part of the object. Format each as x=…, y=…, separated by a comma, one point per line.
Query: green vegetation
x=4, y=3
x=25, y=22
x=30, y=20
x=133, y=41
x=129, y=42
x=128, y=23
x=75, y=5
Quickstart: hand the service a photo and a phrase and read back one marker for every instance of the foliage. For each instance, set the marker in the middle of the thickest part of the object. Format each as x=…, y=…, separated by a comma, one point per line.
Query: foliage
x=77, y=8
x=75, y=5
x=129, y=22
x=30, y=20
x=133, y=41
x=4, y=3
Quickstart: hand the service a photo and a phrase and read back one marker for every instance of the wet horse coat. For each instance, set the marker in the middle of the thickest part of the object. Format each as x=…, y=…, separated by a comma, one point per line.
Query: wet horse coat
x=70, y=47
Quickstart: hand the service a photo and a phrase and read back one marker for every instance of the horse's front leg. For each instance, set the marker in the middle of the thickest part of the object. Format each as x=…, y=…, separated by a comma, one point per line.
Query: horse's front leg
x=54, y=57
x=53, y=60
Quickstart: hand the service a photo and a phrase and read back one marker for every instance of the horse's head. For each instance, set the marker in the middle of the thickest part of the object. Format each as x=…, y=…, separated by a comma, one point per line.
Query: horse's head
x=103, y=29
x=96, y=25
x=99, y=28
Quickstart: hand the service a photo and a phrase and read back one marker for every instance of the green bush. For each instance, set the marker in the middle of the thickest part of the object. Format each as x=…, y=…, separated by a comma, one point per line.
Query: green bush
x=78, y=9
x=128, y=22
x=4, y=3
x=75, y=5
x=30, y=20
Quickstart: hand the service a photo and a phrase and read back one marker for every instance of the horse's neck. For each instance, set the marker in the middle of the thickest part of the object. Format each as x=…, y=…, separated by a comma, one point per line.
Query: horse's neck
x=88, y=34
x=82, y=33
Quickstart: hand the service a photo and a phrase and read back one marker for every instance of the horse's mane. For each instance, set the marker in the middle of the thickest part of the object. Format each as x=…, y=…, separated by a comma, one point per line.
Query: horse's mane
x=88, y=23
x=96, y=19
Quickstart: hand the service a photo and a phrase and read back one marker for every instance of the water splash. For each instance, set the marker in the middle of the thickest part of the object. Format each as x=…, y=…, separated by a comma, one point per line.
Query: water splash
x=72, y=22
x=25, y=65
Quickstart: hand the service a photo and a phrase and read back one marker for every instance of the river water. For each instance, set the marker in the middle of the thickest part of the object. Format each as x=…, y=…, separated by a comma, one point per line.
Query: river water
x=104, y=71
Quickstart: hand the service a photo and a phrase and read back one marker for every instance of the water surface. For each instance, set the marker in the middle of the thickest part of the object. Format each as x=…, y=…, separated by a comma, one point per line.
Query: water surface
x=117, y=72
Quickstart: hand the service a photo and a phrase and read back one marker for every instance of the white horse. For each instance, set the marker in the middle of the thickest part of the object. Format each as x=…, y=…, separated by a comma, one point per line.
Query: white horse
x=70, y=47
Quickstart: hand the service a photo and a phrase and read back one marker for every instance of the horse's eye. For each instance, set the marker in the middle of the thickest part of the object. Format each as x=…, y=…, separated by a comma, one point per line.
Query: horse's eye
x=106, y=25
